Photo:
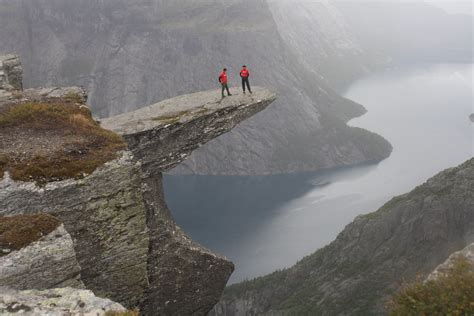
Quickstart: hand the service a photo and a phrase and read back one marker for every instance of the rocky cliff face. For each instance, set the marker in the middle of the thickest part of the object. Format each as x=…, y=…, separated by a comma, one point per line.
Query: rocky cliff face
x=132, y=55
x=126, y=246
x=355, y=274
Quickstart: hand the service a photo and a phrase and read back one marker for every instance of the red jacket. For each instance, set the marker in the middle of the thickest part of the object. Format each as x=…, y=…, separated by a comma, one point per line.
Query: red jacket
x=223, y=78
x=244, y=73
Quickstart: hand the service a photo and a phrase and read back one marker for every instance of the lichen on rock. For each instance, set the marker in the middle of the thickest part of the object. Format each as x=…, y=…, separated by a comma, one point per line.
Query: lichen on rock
x=55, y=302
x=46, y=263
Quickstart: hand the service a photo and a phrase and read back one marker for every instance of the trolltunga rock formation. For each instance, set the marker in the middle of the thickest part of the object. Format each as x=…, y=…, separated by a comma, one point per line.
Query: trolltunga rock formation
x=127, y=245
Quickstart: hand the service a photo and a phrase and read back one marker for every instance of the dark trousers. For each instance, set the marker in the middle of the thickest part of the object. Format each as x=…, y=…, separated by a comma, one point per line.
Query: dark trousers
x=225, y=87
x=245, y=82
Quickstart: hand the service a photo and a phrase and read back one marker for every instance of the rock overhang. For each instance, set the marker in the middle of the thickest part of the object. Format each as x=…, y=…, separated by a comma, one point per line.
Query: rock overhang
x=183, y=109
x=164, y=134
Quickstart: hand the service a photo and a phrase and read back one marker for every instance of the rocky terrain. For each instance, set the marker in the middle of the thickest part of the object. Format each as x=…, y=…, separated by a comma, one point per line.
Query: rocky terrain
x=129, y=56
x=467, y=253
x=55, y=302
x=118, y=237
x=358, y=272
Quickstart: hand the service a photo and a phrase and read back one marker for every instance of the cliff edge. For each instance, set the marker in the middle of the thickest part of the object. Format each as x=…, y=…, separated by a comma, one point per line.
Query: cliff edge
x=125, y=244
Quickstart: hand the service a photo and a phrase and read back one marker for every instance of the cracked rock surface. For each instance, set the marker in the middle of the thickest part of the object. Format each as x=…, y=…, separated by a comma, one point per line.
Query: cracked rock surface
x=55, y=302
x=47, y=263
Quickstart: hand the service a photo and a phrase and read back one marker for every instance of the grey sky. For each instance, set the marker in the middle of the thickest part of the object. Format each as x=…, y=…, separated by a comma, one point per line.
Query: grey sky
x=454, y=6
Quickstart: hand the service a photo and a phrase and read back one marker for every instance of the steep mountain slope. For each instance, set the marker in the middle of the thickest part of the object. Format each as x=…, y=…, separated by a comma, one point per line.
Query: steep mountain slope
x=355, y=274
x=132, y=54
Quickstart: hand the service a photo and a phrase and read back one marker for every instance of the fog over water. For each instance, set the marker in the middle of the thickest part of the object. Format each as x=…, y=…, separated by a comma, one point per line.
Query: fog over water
x=267, y=223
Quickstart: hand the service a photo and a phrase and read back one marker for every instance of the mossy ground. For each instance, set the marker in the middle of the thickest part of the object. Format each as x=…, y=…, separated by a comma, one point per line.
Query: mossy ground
x=19, y=231
x=450, y=294
x=53, y=140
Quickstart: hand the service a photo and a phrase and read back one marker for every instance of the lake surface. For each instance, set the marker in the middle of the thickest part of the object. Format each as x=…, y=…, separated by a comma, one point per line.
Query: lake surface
x=267, y=223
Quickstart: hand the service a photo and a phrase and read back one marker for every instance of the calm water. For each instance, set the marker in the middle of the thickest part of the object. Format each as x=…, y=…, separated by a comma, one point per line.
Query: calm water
x=267, y=223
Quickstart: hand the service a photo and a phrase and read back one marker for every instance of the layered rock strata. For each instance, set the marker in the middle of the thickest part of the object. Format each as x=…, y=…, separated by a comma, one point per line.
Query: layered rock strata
x=48, y=263
x=161, y=136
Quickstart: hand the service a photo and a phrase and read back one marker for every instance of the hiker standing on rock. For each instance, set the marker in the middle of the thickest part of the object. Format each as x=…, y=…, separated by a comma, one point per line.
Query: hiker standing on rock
x=245, y=74
x=223, y=81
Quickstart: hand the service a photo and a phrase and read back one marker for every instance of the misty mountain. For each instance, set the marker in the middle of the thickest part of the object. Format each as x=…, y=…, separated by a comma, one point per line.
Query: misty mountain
x=128, y=55
x=132, y=54
x=409, y=31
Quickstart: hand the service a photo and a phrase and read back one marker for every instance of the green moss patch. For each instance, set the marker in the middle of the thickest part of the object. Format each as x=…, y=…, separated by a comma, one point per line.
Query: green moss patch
x=53, y=140
x=19, y=231
x=450, y=294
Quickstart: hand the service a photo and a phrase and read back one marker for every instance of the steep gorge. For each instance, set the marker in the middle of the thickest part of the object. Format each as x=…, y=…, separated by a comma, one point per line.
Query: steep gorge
x=129, y=55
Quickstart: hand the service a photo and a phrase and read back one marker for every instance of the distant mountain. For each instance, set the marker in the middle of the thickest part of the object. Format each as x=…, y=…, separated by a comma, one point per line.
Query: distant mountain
x=355, y=274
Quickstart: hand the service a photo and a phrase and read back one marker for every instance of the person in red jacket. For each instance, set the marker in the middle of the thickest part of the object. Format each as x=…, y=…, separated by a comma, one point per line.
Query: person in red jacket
x=245, y=74
x=223, y=81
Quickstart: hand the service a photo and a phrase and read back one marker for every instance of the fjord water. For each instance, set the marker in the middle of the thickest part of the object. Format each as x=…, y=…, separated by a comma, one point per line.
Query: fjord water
x=267, y=223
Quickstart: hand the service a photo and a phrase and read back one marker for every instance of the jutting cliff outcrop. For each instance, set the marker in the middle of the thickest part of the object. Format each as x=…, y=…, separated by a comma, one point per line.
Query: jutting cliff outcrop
x=124, y=242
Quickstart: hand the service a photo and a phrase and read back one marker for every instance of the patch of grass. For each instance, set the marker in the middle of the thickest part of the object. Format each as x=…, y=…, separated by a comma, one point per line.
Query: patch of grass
x=86, y=145
x=450, y=294
x=19, y=231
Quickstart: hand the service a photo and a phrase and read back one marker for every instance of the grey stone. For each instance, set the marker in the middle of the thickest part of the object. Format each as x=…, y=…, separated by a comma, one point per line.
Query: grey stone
x=11, y=72
x=161, y=136
x=56, y=92
x=47, y=263
x=164, y=134
x=471, y=117
x=467, y=253
x=105, y=217
x=55, y=302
